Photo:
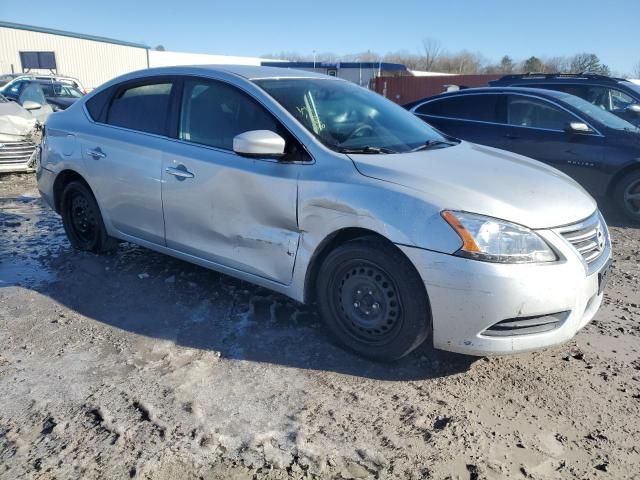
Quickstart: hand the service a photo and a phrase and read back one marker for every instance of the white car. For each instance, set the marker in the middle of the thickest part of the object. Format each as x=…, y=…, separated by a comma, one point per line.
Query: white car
x=327, y=192
x=19, y=132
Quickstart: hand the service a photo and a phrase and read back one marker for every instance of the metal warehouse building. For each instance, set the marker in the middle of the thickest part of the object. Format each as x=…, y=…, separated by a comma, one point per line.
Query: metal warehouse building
x=93, y=60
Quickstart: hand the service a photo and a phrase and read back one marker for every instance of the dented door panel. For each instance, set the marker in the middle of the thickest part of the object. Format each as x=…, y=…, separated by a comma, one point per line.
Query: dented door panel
x=235, y=211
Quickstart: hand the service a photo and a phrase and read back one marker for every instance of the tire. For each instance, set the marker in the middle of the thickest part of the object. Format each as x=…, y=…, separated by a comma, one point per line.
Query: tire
x=82, y=220
x=628, y=185
x=373, y=300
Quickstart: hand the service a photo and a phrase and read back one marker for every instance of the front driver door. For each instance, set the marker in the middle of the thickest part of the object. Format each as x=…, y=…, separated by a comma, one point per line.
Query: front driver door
x=234, y=211
x=537, y=130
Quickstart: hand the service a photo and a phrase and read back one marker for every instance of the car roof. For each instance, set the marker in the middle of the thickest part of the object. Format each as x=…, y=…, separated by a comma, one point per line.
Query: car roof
x=470, y=91
x=250, y=72
x=558, y=77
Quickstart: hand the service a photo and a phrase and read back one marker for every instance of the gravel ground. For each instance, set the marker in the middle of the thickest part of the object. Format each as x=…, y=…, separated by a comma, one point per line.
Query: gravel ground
x=136, y=365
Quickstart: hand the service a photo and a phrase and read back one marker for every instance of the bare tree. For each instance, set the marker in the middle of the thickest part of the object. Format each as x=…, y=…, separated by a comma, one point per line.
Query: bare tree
x=588, y=62
x=636, y=70
x=432, y=50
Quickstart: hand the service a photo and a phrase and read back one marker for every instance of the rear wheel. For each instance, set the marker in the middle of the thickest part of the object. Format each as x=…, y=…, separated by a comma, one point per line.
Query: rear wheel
x=82, y=219
x=373, y=300
x=627, y=196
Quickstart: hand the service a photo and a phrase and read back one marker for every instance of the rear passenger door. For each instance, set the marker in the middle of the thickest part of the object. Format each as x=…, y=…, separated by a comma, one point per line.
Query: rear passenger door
x=122, y=153
x=222, y=207
x=537, y=130
x=472, y=117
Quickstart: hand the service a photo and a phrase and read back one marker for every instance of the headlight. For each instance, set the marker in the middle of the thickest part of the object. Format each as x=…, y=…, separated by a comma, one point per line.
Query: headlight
x=492, y=240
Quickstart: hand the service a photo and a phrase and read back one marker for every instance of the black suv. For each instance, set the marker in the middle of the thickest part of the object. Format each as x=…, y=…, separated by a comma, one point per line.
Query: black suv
x=617, y=95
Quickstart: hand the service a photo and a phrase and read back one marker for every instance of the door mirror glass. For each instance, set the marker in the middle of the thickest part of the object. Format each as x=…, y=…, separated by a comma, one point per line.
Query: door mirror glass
x=634, y=108
x=31, y=105
x=259, y=143
x=578, y=127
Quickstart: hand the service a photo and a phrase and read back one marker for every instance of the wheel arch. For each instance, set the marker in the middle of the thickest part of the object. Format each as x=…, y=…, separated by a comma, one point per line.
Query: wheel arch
x=328, y=244
x=62, y=180
x=619, y=175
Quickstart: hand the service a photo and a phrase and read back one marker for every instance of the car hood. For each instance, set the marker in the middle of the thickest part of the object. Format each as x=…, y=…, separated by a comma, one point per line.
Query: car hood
x=487, y=181
x=15, y=120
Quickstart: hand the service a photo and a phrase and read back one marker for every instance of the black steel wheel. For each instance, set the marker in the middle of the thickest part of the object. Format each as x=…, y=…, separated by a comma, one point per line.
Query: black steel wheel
x=372, y=299
x=82, y=219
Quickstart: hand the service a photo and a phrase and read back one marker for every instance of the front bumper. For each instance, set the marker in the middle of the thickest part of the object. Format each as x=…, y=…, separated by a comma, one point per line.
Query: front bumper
x=468, y=296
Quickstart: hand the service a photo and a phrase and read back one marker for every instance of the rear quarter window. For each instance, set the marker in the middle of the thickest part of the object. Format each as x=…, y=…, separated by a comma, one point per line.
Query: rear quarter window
x=97, y=105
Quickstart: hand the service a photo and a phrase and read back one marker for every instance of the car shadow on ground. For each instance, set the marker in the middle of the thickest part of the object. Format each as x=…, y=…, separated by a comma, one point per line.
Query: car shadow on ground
x=146, y=293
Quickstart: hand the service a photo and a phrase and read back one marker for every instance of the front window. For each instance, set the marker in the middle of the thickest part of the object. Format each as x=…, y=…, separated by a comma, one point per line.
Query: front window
x=349, y=118
x=598, y=113
x=530, y=112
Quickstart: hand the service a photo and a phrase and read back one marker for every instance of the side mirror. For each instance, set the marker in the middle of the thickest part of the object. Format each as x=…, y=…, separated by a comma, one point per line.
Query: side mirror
x=259, y=143
x=31, y=105
x=634, y=108
x=577, y=127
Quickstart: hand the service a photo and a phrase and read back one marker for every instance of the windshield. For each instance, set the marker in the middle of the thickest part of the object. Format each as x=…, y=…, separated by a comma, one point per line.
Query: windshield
x=633, y=86
x=351, y=119
x=597, y=113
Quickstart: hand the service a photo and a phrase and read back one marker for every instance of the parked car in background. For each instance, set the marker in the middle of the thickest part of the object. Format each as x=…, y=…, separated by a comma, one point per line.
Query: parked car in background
x=74, y=82
x=324, y=191
x=599, y=150
x=616, y=95
x=19, y=132
x=29, y=94
x=6, y=78
x=60, y=95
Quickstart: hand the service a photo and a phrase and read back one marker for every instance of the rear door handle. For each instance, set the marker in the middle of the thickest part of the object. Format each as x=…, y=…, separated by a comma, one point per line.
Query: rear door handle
x=96, y=153
x=511, y=136
x=180, y=171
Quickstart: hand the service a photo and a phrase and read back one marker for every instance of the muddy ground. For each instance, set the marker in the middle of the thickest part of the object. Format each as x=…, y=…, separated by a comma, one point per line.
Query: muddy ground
x=136, y=365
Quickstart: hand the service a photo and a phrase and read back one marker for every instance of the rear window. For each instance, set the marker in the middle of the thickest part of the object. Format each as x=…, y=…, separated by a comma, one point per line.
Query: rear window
x=141, y=107
x=464, y=107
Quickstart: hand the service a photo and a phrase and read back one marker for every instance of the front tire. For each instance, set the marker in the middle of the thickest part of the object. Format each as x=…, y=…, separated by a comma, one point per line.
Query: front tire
x=82, y=220
x=373, y=300
x=626, y=196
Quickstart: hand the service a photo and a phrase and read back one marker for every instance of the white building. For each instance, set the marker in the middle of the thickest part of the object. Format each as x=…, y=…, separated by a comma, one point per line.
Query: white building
x=92, y=60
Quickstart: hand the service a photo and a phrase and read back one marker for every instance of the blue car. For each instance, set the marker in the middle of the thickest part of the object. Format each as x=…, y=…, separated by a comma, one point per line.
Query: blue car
x=598, y=149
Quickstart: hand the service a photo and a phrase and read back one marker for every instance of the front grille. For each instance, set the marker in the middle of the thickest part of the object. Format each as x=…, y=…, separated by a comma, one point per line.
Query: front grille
x=589, y=238
x=526, y=325
x=16, y=152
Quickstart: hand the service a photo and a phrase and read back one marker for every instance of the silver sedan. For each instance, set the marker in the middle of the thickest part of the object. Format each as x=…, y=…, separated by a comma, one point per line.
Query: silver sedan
x=329, y=193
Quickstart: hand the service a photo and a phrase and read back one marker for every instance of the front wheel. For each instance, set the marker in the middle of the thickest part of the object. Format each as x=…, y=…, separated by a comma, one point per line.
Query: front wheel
x=373, y=300
x=82, y=220
x=627, y=196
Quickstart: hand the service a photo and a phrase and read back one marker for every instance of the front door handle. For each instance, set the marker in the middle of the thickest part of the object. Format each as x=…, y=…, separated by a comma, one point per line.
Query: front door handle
x=180, y=171
x=96, y=153
x=511, y=136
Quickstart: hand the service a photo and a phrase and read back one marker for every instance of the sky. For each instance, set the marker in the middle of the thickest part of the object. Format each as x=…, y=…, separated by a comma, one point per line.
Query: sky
x=253, y=28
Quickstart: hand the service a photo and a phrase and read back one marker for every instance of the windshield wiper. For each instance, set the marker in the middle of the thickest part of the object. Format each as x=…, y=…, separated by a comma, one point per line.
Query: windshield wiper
x=366, y=149
x=431, y=144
